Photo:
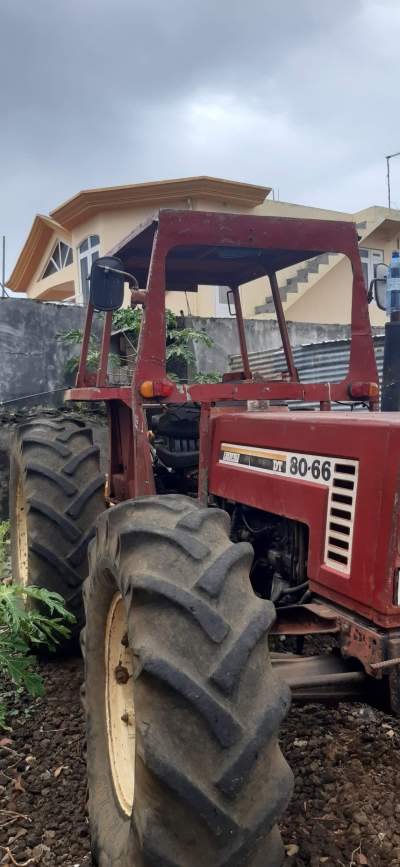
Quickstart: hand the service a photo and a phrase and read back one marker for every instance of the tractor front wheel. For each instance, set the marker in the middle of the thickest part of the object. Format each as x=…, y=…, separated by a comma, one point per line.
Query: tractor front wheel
x=182, y=706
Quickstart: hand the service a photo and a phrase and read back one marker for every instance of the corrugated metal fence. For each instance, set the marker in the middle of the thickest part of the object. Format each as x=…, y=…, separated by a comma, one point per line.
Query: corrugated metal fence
x=315, y=362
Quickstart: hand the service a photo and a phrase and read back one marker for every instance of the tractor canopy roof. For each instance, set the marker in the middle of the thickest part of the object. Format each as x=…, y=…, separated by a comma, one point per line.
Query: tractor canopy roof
x=208, y=248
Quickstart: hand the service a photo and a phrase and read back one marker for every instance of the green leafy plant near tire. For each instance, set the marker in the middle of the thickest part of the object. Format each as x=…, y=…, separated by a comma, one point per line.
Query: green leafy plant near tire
x=73, y=337
x=24, y=628
x=5, y=565
x=178, y=341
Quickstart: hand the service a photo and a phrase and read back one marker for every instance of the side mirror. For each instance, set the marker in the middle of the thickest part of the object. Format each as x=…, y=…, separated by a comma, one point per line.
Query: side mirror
x=377, y=286
x=231, y=302
x=107, y=283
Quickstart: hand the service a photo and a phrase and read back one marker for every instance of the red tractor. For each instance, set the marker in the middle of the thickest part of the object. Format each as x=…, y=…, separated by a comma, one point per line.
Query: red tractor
x=225, y=525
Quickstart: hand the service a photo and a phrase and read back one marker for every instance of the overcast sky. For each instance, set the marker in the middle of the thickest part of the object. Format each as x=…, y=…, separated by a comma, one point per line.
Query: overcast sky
x=301, y=95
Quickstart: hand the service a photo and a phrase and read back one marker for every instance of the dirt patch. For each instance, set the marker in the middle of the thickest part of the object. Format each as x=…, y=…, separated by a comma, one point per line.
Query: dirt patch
x=42, y=775
x=346, y=805
x=345, y=810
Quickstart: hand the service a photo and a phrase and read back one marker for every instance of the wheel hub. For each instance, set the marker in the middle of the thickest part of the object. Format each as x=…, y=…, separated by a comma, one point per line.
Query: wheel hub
x=120, y=711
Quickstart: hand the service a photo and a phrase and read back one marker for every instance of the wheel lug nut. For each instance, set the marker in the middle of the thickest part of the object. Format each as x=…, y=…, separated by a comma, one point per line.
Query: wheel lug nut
x=125, y=640
x=128, y=719
x=121, y=674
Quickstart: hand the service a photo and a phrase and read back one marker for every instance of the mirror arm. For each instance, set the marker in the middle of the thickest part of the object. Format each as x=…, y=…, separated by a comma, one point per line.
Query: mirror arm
x=131, y=277
x=370, y=294
x=138, y=296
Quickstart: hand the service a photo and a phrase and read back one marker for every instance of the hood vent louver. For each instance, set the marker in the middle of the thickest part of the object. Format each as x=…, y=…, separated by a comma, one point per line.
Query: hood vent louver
x=340, y=518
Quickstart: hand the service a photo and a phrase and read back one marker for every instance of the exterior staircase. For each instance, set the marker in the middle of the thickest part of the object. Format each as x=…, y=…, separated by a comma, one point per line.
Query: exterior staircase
x=293, y=282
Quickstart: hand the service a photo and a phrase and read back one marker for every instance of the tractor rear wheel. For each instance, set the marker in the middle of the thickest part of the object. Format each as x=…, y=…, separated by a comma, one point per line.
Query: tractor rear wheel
x=182, y=706
x=56, y=495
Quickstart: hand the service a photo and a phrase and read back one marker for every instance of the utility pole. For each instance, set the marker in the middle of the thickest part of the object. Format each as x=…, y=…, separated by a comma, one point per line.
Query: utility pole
x=390, y=398
x=3, y=269
x=388, y=158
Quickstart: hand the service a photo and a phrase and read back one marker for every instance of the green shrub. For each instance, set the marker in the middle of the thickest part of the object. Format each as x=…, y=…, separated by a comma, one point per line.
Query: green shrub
x=178, y=340
x=73, y=337
x=24, y=628
x=5, y=565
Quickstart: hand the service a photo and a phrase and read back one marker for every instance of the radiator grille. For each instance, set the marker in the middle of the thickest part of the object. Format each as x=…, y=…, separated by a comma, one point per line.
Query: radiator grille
x=340, y=519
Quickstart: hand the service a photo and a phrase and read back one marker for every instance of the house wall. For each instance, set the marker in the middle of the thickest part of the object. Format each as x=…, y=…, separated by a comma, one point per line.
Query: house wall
x=112, y=226
x=326, y=301
x=203, y=303
x=62, y=283
x=271, y=207
x=329, y=299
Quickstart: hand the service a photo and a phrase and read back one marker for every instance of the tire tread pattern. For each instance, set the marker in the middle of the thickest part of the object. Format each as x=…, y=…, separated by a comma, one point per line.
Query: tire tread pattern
x=57, y=455
x=226, y=648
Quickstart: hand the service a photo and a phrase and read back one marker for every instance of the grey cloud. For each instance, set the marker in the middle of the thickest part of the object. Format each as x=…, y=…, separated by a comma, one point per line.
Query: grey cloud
x=299, y=94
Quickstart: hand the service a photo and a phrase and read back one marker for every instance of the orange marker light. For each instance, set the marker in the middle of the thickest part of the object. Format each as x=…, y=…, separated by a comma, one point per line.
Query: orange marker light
x=146, y=388
x=156, y=388
x=364, y=390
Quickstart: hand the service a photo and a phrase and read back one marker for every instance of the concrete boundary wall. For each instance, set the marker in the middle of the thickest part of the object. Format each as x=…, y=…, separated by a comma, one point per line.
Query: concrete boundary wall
x=33, y=358
x=261, y=335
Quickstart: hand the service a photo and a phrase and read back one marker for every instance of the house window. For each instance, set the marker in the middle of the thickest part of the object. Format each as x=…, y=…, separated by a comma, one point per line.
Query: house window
x=221, y=301
x=369, y=258
x=88, y=252
x=59, y=259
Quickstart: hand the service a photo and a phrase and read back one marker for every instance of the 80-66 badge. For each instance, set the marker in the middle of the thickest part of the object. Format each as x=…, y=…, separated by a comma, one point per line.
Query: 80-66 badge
x=312, y=468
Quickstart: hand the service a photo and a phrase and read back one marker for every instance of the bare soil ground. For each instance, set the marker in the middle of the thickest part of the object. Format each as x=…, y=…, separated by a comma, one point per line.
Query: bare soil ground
x=42, y=775
x=345, y=811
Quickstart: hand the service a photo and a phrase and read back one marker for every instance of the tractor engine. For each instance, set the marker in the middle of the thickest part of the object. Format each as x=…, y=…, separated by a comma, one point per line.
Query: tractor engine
x=175, y=446
x=279, y=570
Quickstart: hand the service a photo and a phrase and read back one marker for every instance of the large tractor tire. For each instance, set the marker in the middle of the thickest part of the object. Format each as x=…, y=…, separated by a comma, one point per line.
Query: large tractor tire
x=182, y=706
x=56, y=495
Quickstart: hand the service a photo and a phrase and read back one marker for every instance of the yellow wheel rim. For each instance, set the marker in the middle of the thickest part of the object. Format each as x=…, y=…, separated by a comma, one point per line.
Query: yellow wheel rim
x=22, y=535
x=120, y=711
